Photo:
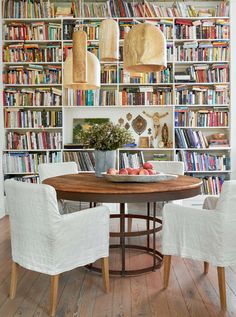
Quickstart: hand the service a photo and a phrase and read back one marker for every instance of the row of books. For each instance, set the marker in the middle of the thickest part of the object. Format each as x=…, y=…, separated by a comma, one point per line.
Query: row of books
x=202, y=29
x=133, y=160
x=122, y=8
x=32, y=75
x=36, y=31
x=26, y=97
x=202, y=95
x=28, y=162
x=33, y=140
x=146, y=96
x=204, y=73
x=165, y=76
x=33, y=119
x=27, y=9
x=195, y=161
x=189, y=138
x=33, y=179
x=32, y=53
x=85, y=159
x=201, y=118
x=202, y=51
x=212, y=185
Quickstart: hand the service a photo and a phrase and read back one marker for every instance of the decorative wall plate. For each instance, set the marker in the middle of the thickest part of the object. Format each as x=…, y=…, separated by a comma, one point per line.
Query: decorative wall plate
x=127, y=126
x=129, y=116
x=139, y=124
x=121, y=121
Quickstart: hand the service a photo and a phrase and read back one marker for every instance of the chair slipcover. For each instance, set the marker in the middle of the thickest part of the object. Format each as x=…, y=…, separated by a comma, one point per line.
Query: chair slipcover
x=205, y=235
x=170, y=167
x=47, y=170
x=45, y=241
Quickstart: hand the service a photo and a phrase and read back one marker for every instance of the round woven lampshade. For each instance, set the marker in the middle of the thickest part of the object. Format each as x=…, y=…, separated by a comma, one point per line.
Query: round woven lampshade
x=109, y=40
x=144, y=49
x=93, y=73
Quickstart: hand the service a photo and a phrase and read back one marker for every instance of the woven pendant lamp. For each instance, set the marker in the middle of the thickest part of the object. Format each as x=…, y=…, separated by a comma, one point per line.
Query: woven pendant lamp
x=109, y=41
x=81, y=68
x=144, y=49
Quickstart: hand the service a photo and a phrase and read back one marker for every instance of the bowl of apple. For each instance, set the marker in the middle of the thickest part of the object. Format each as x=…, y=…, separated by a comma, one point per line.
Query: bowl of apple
x=144, y=174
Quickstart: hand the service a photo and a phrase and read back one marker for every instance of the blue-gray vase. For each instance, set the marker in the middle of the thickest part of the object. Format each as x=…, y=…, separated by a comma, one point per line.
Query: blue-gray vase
x=103, y=161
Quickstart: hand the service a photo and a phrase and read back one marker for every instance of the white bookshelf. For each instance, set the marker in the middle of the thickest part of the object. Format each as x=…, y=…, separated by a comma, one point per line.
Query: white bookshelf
x=119, y=111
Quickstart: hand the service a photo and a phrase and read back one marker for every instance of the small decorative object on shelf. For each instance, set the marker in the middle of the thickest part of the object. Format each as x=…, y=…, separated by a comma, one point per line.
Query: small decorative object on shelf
x=165, y=134
x=156, y=121
x=105, y=138
x=144, y=142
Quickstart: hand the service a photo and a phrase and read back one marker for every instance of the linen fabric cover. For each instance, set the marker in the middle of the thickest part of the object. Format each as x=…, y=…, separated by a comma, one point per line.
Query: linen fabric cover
x=205, y=235
x=45, y=241
x=47, y=170
x=170, y=167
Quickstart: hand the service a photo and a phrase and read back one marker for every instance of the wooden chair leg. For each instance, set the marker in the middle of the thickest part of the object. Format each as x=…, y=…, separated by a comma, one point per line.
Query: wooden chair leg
x=222, y=289
x=206, y=267
x=167, y=262
x=130, y=224
x=53, y=295
x=13, y=285
x=105, y=273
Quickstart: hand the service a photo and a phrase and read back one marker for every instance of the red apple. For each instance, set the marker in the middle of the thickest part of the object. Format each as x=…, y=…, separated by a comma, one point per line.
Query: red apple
x=111, y=171
x=151, y=172
x=123, y=171
x=148, y=166
x=129, y=170
x=143, y=172
x=135, y=171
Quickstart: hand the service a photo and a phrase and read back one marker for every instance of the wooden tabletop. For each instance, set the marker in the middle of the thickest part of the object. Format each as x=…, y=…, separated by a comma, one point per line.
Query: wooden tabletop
x=88, y=187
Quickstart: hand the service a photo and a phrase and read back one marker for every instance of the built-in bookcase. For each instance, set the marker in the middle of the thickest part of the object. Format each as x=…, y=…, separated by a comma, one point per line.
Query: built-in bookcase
x=193, y=89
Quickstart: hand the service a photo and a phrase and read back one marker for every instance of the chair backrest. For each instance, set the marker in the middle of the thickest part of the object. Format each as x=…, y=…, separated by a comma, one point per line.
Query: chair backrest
x=170, y=167
x=34, y=220
x=47, y=170
x=227, y=200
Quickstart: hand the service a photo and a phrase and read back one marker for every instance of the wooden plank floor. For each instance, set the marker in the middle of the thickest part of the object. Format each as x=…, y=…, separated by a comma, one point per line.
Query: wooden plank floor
x=190, y=293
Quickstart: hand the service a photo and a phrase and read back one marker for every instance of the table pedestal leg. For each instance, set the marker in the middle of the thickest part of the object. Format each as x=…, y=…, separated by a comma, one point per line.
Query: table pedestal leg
x=122, y=237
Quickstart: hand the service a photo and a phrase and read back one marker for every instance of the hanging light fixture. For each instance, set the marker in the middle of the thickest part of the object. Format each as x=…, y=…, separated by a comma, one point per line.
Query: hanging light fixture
x=144, y=49
x=109, y=40
x=81, y=68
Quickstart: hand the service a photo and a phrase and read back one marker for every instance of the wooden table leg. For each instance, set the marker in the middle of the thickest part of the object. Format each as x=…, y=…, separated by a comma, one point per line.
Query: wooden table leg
x=148, y=225
x=122, y=237
x=154, y=236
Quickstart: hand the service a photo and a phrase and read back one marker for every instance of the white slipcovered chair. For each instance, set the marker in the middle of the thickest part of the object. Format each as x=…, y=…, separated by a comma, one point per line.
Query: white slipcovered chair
x=45, y=241
x=204, y=235
x=171, y=167
x=47, y=170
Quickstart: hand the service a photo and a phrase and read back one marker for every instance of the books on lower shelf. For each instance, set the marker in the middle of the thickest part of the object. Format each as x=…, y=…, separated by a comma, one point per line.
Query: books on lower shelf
x=28, y=97
x=34, y=179
x=131, y=159
x=85, y=159
x=202, y=29
x=212, y=185
x=202, y=95
x=32, y=119
x=33, y=140
x=202, y=51
x=24, y=52
x=204, y=73
x=201, y=118
x=36, y=31
x=189, y=138
x=197, y=161
x=28, y=162
x=32, y=75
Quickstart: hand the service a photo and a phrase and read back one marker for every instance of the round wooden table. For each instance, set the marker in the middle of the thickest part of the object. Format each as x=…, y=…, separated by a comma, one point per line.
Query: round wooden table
x=89, y=188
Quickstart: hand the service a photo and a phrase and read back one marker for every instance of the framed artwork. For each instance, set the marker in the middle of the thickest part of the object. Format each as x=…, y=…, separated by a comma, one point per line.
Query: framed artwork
x=83, y=124
x=144, y=141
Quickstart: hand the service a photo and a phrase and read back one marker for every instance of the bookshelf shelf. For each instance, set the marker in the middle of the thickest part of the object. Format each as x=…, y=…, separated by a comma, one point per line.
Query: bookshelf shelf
x=158, y=97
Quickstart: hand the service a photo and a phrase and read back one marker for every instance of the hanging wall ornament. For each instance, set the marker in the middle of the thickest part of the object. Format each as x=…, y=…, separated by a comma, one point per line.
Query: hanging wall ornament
x=139, y=124
x=109, y=35
x=144, y=49
x=121, y=121
x=127, y=126
x=129, y=116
